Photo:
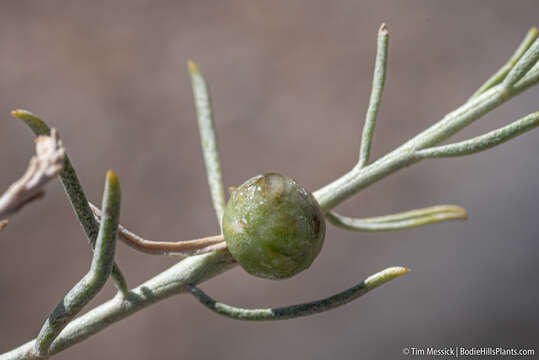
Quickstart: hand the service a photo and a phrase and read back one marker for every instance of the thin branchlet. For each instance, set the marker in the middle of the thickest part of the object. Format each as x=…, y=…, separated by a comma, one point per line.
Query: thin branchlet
x=93, y=281
x=482, y=142
x=378, y=83
x=358, y=179
x=208, y=138
x=299, y=310
x=400, y=221
x=74, y=192
x=504, y=70
x=170, y=248
x=522, y=66
x=43, y=167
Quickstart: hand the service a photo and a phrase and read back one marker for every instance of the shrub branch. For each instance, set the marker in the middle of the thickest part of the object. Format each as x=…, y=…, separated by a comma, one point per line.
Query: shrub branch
x=521, y=73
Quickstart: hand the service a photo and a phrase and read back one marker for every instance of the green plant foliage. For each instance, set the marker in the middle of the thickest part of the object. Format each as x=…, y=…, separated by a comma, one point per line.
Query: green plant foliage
x=272, y=226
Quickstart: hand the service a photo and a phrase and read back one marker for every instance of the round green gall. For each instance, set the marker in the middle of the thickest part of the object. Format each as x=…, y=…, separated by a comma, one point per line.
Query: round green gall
x=273, y=227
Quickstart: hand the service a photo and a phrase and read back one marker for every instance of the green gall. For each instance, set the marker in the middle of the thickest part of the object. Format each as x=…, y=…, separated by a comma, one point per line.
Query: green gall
x=273, y=227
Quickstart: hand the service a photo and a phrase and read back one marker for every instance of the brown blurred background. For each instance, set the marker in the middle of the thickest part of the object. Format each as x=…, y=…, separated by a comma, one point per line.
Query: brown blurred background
x=290, y=82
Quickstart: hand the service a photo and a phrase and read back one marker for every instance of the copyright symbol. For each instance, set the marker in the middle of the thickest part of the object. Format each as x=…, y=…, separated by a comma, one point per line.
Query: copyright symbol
x=406, y=351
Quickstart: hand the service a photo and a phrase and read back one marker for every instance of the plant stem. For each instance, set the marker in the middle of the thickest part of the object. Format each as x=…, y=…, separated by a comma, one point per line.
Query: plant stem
x=169, y=248
x=305, y=309
x=400, y=221
x=357, y=179
x=378, y=82
x=504, y=70
x=170, y=282
x=523, y=65
x=93, y=281
x=181, y=277
x=208, y=139
x=482, y=142
x=75, y=194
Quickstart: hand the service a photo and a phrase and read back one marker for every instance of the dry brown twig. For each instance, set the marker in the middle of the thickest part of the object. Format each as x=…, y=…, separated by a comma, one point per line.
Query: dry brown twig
x=43, y=167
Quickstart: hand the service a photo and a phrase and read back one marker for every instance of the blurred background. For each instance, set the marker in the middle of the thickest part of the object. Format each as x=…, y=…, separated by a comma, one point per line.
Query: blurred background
x=290, y=82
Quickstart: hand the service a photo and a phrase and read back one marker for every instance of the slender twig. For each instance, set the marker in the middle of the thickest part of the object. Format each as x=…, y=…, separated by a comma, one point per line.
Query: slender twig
x=170, y=248
x=43, y=167
x=523, y=65
x=378, y=82
x=305, y=309
x=170, y=282
x=400, y=221
x=504, y=70
x=93, y=281
x=482, y=142
x=210, y=152
x=358, y=179
x=208, y=138
x=74, y=192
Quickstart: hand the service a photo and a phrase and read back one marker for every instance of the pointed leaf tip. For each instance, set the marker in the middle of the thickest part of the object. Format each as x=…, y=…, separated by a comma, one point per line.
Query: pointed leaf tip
x=193, y=67
x=461, y=213
x=18, y=113
x=112, y=177
x=453, y=212
x=397, y=270
x=386, y=275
